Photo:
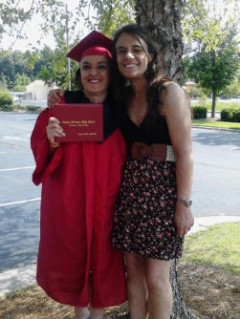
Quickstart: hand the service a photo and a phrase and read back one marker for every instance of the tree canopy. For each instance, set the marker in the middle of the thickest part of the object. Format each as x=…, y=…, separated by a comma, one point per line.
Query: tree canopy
x=210, y=30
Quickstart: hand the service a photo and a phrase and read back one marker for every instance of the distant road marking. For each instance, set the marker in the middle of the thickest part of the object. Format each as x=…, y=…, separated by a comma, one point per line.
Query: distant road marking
x=21, y=202
x=16, y=168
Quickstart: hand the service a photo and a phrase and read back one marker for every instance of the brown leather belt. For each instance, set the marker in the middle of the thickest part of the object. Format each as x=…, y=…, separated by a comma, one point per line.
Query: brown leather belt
x=157, y=152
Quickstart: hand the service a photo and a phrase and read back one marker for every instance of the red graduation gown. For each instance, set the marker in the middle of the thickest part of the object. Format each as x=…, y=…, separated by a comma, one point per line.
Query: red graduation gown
x=80, y=183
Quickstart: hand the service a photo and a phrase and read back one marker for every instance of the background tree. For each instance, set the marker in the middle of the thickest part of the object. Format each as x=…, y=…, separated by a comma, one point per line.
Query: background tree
x=20, y=83
x=211, y=29
x=7, y=71
x=214, y=70
x=15, y=65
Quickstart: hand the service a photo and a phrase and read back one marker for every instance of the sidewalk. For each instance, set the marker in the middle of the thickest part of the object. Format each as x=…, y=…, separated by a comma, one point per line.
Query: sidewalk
x=14, y=279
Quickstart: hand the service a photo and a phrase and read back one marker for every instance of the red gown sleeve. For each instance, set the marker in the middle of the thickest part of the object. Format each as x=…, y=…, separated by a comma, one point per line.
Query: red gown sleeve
x=45, y=164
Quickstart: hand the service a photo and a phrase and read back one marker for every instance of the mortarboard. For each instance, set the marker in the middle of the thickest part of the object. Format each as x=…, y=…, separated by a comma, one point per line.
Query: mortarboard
x=95, y=43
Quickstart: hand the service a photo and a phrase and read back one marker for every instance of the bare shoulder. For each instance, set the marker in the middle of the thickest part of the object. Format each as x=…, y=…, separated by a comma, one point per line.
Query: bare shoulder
x=172, y=90
x=173, y=97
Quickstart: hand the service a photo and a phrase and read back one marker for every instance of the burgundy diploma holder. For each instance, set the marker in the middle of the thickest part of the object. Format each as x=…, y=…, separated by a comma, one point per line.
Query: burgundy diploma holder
x=80, y=122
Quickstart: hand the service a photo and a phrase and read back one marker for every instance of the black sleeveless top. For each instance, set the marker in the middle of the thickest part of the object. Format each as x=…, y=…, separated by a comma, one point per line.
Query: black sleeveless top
x=157, y=133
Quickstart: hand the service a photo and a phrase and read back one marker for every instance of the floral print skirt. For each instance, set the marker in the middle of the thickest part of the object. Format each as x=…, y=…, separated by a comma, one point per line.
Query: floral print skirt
x=144, y=218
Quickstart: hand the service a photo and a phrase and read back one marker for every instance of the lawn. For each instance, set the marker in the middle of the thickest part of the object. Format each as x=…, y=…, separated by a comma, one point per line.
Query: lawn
x=216, y=123
x=218, y=246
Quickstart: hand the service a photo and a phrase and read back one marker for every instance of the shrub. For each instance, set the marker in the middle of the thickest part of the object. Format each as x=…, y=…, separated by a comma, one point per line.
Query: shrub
x=5, y=98
x=199, y=112
x=230, y=115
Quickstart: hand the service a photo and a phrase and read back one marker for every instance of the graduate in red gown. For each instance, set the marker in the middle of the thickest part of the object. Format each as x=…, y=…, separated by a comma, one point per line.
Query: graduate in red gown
x=77, y=264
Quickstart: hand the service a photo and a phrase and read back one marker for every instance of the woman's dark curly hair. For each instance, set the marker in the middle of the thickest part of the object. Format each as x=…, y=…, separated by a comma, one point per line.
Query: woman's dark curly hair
x=154, y=80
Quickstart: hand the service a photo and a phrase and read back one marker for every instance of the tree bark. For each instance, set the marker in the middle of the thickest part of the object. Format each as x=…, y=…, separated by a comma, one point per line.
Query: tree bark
x=180, y=309
x=214, y=91
x=214, y=98
x=163, y=19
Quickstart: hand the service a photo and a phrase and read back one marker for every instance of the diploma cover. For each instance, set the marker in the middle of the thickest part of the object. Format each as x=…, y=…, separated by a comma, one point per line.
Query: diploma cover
x=80, y=122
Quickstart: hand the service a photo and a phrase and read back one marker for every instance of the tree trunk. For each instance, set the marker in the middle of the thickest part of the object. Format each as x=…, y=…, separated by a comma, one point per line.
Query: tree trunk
x=163, y=19
x=214, y=98
x=214, y=91
x=180, y=309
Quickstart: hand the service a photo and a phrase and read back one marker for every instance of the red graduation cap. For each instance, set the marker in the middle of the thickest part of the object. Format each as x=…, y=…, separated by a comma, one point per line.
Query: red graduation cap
x=95, y=43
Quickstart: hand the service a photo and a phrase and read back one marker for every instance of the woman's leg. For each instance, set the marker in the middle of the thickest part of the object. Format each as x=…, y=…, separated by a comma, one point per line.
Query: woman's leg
x=137, y=289
x=159, y=289
x=97, y=313
x=81, y=312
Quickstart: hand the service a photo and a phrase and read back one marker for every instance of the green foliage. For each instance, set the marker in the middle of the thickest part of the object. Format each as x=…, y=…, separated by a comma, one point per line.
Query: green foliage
x=230, y=115
x=5, y=98
x=215, y=70
x=199, y=112
x=231, y=90
x=17, y=68
x=212, y=43
x=52, y=67
x=20, y=82
x=113, y=14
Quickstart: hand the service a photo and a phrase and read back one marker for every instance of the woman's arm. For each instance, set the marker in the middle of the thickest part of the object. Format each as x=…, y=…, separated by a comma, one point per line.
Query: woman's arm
x=178, y=117
x=44, y=154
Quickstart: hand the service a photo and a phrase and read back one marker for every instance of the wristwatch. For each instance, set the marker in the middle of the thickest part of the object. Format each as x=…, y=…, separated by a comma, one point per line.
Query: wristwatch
x=185, y=202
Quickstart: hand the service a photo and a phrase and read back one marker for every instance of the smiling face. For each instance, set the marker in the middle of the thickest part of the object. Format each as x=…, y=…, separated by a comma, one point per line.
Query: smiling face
x=132, y=56
x=95, y=74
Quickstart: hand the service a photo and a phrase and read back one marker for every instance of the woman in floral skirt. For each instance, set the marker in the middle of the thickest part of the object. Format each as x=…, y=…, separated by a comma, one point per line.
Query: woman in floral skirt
x=153, y=208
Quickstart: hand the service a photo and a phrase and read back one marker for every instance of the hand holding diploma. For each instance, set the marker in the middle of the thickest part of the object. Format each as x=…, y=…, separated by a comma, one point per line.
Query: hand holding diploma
x=54, y=130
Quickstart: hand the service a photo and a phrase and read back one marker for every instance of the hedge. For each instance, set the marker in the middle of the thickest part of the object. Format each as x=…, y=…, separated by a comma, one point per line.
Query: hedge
x=199, y=112
x=230, y=115
x=5, y=98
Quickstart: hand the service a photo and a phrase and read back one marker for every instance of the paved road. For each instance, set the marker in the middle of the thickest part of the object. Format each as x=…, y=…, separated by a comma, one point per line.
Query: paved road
x=216, y=187
x=216, y=190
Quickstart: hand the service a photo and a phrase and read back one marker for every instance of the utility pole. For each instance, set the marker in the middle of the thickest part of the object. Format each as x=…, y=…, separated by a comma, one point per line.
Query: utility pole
x=67, y=39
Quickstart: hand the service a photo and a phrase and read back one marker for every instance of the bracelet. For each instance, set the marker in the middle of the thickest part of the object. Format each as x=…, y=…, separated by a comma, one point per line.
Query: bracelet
x=54, y=145
x=185, y=202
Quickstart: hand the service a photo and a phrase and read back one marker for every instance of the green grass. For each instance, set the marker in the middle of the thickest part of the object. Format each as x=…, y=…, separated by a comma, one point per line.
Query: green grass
x=216, y=123
x=217, y=246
